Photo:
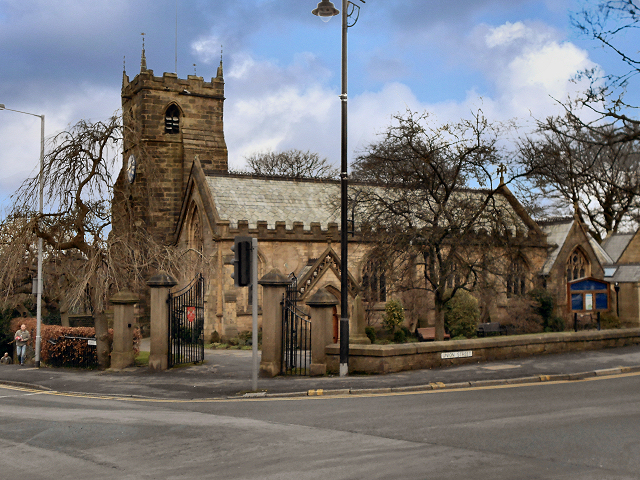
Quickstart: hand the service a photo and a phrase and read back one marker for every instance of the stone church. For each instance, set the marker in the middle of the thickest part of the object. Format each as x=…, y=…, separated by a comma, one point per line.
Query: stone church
x=175, y=181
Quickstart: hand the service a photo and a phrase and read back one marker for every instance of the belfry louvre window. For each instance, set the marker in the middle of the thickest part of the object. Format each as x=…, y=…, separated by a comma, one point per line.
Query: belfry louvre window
x=172, y=120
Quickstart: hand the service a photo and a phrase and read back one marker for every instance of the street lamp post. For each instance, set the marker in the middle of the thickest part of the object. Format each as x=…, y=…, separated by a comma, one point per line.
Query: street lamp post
x=325, y=10
x=40, y=211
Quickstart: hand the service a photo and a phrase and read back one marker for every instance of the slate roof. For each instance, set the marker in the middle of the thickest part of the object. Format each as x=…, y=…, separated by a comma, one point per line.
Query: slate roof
x=625, y=273
x=615, y=244
x=275, y=200
x=600, y=252
x=556, y=235
x=557, y=232
x=239, y=197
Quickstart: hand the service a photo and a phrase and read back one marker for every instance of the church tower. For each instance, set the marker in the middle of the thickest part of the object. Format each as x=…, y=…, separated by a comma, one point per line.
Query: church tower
x=167, y=122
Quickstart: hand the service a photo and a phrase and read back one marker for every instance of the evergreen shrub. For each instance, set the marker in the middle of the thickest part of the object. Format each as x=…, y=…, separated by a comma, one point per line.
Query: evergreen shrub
x=393, y=315
x=461, y=315
x=609, y=320
x=399, y=336
x=371, y=333
x=544, y=305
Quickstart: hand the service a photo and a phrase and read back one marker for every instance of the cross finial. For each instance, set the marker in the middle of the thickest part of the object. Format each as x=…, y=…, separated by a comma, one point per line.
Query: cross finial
x=502, y=170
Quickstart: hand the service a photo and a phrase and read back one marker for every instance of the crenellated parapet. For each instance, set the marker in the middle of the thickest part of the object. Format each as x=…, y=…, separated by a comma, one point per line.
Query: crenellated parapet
x=193, y=85
x=299, y=233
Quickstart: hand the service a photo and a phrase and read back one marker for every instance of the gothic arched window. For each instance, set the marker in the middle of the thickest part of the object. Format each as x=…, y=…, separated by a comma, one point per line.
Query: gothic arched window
x=517, y=278
x=195, y=233
x=172, y=120
x=374, y=283
x=577, y=265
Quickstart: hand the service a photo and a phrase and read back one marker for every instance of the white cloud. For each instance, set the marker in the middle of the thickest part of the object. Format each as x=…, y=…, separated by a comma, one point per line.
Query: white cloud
x=528, y=67
x=274, y=108
x=506, y=34
x=276, y=120
x=208, y=49
x=549, y=68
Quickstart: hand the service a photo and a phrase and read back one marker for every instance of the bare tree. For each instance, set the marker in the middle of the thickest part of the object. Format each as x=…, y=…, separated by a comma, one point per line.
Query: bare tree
x=577, y=166
x=434, y=233
x=291, y=163
x=608, y=22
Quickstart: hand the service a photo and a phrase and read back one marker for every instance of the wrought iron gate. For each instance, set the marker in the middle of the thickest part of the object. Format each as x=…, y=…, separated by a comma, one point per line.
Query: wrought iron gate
x=296, y=334
x=186, y=323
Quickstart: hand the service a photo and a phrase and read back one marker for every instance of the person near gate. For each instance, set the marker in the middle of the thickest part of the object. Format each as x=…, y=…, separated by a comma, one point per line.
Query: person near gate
x=22, y=337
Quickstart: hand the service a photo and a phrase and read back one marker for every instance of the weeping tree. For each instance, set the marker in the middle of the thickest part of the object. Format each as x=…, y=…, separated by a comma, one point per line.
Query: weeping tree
x=84, y=261
x=78, y=181
x=433, y=233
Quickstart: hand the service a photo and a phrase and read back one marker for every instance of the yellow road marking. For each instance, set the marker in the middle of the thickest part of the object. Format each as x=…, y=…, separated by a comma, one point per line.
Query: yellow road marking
x=437, y=387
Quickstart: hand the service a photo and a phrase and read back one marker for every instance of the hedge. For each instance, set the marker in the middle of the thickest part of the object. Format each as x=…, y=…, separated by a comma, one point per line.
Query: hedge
x=58, y=351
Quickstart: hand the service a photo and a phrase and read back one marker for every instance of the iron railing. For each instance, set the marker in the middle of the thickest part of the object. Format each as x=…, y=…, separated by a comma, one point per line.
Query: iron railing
x=186, y=324
x=296, y=333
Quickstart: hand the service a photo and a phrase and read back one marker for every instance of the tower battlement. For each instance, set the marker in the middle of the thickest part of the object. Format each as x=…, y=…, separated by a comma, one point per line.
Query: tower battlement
x=194, y=85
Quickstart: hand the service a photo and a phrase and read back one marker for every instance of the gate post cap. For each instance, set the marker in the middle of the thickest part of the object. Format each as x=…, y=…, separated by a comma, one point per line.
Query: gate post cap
x=162, y=279
x=322, y=298
x=274, y=279
x=125, y=297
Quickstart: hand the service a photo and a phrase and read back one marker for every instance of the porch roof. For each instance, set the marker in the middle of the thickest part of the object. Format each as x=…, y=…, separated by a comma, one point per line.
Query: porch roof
x=625, y=274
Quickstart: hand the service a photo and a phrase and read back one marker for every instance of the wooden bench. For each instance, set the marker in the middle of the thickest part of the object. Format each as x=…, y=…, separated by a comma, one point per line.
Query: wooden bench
x=485, y=329
x=429, y=333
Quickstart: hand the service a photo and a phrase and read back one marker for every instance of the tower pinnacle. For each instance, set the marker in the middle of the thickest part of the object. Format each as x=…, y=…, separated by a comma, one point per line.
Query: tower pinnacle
x=219, y=74
x=143, y=60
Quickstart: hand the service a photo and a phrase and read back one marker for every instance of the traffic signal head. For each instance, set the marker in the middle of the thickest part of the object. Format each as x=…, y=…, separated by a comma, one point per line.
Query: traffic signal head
x=242, y=261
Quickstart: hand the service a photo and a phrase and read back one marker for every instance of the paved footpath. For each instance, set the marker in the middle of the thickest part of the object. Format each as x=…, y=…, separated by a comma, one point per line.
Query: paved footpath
x=227, y=373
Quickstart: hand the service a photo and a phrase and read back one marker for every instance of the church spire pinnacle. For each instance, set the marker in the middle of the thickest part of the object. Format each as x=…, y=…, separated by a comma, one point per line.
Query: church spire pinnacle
x=125, y=79
x=143, y=60
x=219, y=74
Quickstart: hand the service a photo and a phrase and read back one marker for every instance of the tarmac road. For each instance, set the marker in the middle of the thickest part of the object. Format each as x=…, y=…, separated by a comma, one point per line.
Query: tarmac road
x=227, y=373
x=565, y=430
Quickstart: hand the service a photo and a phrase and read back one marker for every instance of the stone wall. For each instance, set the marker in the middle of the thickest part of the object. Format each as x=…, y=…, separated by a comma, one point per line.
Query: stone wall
x=416, y=356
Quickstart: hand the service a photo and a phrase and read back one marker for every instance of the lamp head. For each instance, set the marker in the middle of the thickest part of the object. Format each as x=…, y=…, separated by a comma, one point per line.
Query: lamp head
x=2, y=107
x=325, y=10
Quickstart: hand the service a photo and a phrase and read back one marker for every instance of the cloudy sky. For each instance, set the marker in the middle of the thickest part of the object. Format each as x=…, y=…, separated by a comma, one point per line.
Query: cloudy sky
x=65, y=59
